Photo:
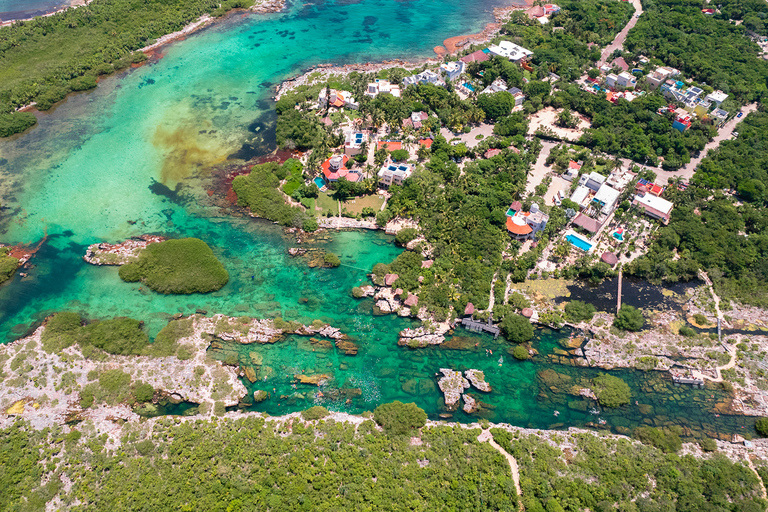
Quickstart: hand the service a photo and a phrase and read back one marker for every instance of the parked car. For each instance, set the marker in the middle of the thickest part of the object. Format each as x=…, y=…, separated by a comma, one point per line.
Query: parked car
x=740, y=114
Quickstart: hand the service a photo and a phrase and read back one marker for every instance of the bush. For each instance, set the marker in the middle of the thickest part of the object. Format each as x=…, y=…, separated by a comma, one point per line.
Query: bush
x=8, y=266
x=406, y=235
x=521, y=353
x=397, y=418
x=61, y=331
x=331, y=260
x=358, y=292
x=166, y=341
x=315, y=413
x=578, y=311
x=629, y=318
x=180, y=266
x=611, y=391
x=399, y=155
x=665, y=440
x=219, y=409
x=761, y=426
x=708, y=444
x=143, y=392
x=687, y=331
x=122, y=336
x=516, y=328
x=17, y=122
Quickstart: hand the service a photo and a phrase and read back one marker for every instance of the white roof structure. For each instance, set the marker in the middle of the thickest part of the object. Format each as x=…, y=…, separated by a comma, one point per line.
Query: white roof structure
x=657, y=203
x=717, y=97
x=580, y=194
x=607, y=197
x=510, y=50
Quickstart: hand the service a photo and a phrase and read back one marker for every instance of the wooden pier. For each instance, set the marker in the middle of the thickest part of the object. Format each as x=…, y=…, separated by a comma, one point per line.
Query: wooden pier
x=618, y=300
x=687, y=380
x=474, y=325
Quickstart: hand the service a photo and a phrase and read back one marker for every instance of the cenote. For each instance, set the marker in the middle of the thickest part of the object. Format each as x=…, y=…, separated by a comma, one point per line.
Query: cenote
x=134, y=156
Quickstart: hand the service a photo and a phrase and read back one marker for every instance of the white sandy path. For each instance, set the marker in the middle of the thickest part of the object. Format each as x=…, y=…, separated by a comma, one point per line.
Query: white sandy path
x=540, y=170
x=486, y=435
x=547, y=117
x=470, y=139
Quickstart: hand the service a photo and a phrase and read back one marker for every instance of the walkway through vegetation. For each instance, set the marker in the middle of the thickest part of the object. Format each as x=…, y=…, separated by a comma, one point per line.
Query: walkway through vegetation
x=486, y=435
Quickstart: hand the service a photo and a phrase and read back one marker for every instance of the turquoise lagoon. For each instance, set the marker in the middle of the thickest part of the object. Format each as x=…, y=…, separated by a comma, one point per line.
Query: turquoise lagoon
x=135, y=156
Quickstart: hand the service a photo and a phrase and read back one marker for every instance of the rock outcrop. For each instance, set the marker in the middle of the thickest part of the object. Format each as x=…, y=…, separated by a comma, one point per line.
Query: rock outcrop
x=477, y=379
x=452, y=384
x=119, y=254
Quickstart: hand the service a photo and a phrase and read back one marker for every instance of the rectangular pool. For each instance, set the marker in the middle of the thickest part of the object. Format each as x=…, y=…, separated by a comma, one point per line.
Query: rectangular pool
x=579, y=242
x=319, y=182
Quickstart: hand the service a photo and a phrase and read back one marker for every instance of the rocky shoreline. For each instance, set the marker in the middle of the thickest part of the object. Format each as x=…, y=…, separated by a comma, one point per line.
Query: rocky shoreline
x=44, y=388
x=119, y=254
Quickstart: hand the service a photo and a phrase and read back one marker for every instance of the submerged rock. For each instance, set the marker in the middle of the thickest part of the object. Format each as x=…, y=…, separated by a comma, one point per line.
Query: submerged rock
x=250, y=374
x=470, y=404
x=260, y=395
x=477, y=378
x=315, y=380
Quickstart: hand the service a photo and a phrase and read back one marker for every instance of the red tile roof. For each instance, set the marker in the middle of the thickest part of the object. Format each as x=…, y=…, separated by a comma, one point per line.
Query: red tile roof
x=517, y=229
x=390, y=279
x=478, y=56
x=335, y=174
x=426, y=142
x=412, y=300
x=391, y=145
x=492, y=153
x=574, y=165
x=470, y=309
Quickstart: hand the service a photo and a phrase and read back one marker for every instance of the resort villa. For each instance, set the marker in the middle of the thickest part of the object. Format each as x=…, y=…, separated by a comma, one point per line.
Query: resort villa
x=336, y=99
x=335, y=168
x=425, y=77
x=393, y=173
x=382, y=87
x=654, y=206
x=416, y=120
x=353, y=143
x=510, y=50
x=524, y=225
x=453, y=69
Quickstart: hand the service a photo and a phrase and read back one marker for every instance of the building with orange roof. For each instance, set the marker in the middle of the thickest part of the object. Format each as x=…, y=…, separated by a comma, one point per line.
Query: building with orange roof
x=335, y=168
x=492, y=153
x=390, y=145
x=427, y=143
x=336, y=99
x=524, y=225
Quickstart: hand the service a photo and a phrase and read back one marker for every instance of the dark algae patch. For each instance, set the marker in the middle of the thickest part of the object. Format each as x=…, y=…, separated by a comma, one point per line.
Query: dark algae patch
x=180, y=266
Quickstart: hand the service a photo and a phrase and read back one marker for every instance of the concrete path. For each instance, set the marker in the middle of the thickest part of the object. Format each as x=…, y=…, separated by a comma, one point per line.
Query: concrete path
x=486, y=435
x=618, y=41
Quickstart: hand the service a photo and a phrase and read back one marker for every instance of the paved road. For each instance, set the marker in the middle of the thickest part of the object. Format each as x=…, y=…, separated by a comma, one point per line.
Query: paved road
x=618, y=41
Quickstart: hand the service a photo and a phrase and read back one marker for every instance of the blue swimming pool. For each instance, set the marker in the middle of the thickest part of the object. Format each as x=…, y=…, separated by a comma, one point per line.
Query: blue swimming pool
x=319, y=182
x=579, y=242
x=469, y=86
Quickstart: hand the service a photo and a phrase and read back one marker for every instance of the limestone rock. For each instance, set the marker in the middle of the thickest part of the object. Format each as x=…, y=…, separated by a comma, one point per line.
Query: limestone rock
x=250, y=374
x=315, y=380
x=260, y=395
x=452, y=384
x=477, y=378
x=470, y=404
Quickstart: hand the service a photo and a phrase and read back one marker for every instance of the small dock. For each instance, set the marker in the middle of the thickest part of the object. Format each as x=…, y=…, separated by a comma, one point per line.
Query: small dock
x=474, y=325
x=688, y=380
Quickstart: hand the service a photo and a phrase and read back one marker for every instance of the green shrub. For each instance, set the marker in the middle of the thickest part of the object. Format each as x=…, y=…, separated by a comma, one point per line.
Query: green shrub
x=521, y=353
x=666, y=440
x=315, y=413
x=83, y=83
x=8, y=266
x=629, y=318
x=397, y=418
x=516, y=328
x=687, y=331
x=577, y=311
x=406, y=235
x=61, y=331
x=219, y=409
x=700, y=319
x=399, y=155
x=166, y=341
x=708, y=444
x=610, y=390
x=17, y=122
x=761, y=426
x=331, y=260
x=122, y=336
x=357, y=292
x=180, y=266
x=143, y=392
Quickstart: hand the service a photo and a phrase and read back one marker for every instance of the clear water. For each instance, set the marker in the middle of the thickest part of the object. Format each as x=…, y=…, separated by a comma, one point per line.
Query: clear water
x=22, y=9
x=134, y=156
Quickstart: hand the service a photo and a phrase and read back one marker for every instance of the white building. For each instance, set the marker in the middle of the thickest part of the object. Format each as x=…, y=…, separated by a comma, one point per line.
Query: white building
x=626, y=80
x=425, y=77
x=382, y=87
x=393, y=173
x=719, y=115
x=337, y=99
x=655, y=207
x=606, y=199
x=717, y=97
x=593, y=181
x=579, y=195
x=353, y=143
x=498, y=85
x=518, y=95
x=510, y=51
x=611, y=80
x=453, y=70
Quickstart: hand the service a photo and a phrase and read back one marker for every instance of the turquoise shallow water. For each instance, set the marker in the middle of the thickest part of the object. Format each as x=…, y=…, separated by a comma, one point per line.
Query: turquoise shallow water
x=133, y=157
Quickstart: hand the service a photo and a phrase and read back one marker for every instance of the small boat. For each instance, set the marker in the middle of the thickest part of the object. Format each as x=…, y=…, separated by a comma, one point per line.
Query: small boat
x=601, y=421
